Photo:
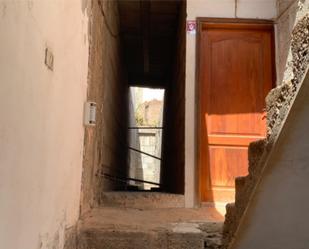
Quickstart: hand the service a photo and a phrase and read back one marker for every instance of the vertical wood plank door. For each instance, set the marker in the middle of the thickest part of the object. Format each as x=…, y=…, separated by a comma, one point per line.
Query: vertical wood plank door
x=236, y=73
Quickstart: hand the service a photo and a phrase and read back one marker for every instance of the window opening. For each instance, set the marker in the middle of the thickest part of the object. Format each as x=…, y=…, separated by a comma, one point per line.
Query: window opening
x=145, y=137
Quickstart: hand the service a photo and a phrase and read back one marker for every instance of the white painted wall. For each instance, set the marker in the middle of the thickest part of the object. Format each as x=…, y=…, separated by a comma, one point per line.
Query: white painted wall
x=260, y=9
x=287, y=10
x=41, y=130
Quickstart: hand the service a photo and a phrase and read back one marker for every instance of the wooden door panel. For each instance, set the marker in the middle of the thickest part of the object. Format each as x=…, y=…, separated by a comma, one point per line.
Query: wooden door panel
x=238, y=123
x=224, y=174
x=235, y=74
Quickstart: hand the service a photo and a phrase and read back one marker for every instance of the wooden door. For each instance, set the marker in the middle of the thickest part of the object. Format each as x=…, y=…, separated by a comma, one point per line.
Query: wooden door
x=235, y=75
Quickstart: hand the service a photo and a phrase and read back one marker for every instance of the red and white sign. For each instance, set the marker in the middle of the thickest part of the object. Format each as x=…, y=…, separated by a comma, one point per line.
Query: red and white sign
x=191, y=27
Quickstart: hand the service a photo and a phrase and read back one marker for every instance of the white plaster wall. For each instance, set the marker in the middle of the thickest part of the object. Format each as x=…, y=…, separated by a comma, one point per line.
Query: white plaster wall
x=287, y=10
x=277, y=216
x=41, y=129
x=259, y=9
x=135, y=160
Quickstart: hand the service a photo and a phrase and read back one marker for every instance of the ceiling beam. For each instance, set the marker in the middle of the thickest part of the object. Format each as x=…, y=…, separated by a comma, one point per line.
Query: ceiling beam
x=147, y=80
x=145, y=28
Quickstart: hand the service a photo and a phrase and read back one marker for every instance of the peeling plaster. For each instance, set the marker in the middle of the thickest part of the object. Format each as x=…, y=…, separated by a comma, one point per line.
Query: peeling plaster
x=3, y=9
x=30, y=4
x=53, y=241
x=84, y=4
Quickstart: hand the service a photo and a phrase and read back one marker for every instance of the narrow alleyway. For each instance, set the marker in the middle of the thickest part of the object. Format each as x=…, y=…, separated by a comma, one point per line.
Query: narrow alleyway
x=147, y=46
x=225, y=158
x=134, y=44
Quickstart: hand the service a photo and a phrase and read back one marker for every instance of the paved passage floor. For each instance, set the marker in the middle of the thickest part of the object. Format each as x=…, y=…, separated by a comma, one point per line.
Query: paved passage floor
x=118, y=227
x=113, y=217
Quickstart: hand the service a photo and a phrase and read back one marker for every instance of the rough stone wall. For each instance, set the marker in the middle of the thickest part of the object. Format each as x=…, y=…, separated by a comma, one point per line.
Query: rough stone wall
x=279, y=99
x=105, y=144
x=278, y=104
x=70, y=238
x=173, y=138
x=150, y=112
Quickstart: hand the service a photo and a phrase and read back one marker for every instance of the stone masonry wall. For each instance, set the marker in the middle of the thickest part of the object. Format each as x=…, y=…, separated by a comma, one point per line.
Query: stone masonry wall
x=105, y=144
x=279, y=99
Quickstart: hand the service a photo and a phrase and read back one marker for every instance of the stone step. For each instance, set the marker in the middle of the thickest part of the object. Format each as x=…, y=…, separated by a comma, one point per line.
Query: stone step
x=229, y=223
x=243, y=189
x=97, y=239
x=141, y=200
x=255, y=152
x=122, y=228
x=240, y=184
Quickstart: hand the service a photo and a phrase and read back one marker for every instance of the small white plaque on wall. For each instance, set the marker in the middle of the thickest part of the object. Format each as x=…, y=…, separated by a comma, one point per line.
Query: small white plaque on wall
x=90, y=113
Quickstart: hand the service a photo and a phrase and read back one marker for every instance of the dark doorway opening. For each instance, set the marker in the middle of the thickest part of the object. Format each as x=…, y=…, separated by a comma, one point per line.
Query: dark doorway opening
x=143, y=47
x=136, y=43
x=153, y=43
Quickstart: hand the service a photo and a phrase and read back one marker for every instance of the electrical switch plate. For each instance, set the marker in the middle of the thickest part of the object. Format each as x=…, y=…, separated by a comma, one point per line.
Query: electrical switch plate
x=90, y=113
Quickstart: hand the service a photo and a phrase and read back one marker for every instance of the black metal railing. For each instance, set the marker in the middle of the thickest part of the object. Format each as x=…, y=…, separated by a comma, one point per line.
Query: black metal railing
x=126, y=179
x=145, y=153
x=140, y=151
x=145, y=127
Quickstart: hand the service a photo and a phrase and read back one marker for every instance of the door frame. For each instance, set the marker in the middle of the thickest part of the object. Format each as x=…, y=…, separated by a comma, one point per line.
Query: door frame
x=237, y=23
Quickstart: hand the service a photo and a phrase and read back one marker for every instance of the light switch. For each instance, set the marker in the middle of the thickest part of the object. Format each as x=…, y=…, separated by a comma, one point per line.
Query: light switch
x=90, y=113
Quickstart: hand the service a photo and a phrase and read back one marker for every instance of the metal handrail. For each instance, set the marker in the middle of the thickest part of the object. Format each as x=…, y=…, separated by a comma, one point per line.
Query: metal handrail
x=145, y=153
x=125, y=179
x=146, y=127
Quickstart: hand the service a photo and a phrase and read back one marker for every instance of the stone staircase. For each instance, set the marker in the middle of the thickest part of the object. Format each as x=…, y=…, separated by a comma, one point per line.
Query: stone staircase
x=139, y=220
x=278, y=104
x=144, y=200
x=244, y=187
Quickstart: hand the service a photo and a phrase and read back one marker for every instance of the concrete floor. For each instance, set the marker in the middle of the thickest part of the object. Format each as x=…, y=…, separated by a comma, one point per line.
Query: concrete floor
x=139, y=219
x=141, y=199
x=155, y=228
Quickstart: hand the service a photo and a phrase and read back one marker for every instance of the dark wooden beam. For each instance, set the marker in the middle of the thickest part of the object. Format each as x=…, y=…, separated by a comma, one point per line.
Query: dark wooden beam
x=147, y=80
x=145, y=26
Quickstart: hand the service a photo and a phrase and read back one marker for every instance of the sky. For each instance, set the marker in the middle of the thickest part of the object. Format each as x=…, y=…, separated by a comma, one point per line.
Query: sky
x=150, y=94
